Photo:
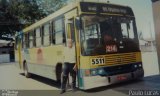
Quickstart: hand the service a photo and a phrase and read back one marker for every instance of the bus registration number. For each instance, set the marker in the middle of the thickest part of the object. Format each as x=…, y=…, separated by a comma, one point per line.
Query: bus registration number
x=96, y=61
x=111, y=48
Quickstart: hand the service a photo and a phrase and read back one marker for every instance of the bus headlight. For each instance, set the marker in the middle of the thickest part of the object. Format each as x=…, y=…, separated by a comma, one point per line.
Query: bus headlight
x=135, y=66
x=94, y=72
x=100, y=71
x=140, y=65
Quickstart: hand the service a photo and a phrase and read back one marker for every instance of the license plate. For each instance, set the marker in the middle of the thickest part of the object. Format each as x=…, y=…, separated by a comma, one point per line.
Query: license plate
x=121, y=77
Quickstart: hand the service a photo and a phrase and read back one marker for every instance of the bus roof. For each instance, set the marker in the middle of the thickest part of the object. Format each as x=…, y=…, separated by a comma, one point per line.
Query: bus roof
x=51, y=16
x=98, y=7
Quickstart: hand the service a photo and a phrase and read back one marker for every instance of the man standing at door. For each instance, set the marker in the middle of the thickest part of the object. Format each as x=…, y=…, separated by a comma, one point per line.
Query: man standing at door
x=69, y=65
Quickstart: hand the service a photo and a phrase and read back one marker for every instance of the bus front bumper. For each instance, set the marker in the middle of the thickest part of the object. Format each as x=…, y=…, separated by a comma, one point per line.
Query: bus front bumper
x=98, y=81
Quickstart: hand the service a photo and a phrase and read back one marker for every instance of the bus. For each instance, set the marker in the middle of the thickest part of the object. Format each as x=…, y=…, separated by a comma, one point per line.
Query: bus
x=105, y=39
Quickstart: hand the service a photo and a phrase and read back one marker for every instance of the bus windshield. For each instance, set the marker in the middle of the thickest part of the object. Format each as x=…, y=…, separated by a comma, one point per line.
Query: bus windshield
x=103, y=35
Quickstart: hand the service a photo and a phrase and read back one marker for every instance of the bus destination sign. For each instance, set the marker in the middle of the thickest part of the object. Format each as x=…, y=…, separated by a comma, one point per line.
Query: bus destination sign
x=114, y=10
x=105, y=8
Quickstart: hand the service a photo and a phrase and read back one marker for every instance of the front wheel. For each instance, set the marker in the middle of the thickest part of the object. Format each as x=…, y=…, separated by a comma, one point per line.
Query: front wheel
x=26, y=73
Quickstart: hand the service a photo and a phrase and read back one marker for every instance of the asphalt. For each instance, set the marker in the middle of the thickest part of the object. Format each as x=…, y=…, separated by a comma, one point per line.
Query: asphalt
x=11, y=78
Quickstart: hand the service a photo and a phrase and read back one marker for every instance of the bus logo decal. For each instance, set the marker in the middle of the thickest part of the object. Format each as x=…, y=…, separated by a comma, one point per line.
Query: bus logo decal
x=39, y=56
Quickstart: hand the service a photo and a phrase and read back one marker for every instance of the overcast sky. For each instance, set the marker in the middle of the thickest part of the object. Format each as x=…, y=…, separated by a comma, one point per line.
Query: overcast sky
x=143, y=12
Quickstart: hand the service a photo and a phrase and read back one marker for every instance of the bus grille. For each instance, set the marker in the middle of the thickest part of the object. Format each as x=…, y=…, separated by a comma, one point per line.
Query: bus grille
x=119, y=59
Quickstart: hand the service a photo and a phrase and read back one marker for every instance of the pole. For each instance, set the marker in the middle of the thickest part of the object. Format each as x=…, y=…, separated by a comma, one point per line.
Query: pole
x=19, y=53
x=152, y=46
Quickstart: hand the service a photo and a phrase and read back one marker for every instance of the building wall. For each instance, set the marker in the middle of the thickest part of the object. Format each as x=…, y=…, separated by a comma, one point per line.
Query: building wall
x=4, y=58
x=6, y=54
x=5, y=50
x=156, y=14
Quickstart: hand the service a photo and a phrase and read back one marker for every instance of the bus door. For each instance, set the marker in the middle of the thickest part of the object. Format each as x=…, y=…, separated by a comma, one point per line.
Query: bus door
x=71, y=30
x=19, y=45
x=71, y=34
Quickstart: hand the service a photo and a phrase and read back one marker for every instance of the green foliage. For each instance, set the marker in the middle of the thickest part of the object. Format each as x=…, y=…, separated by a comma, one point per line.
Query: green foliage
x=51, y=6
x=17, y=14
x=27, y=11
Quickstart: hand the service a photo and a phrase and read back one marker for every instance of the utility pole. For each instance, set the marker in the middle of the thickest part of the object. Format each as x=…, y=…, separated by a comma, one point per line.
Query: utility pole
x=152, y=46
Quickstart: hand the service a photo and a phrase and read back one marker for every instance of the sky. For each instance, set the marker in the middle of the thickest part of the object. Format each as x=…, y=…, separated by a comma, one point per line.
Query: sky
x=143, y=14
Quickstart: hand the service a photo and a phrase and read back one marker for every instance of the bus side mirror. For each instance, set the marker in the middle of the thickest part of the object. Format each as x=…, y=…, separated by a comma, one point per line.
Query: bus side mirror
x=78, y=23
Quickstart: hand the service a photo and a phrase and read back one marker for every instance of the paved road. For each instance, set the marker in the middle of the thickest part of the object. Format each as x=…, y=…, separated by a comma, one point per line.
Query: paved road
x=12, y=78
x=150, y=63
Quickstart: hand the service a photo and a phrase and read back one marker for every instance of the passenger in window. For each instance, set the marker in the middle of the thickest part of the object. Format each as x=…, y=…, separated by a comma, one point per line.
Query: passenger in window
x=106, y=32
x=69, y=65
x=107, y=39
x=108, y=45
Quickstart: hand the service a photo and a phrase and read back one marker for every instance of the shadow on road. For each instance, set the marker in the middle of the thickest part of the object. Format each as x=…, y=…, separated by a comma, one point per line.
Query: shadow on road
x=116, y=87
x=123, y=87
x=5, y=64
x=44, y=80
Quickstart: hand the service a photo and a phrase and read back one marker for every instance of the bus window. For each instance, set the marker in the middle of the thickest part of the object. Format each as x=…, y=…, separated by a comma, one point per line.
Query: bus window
x=24, y=43
x=91, y=38
x=26, y=36
x=72, y=30
x=34, y=38
x=38, y=37
x=31, y=39
x=59, y=31
x=131, y=32
x=127, y=30
x=102, y=32
x=53, y=33
x=124, y=30
x=91, y=32
x=46, y=34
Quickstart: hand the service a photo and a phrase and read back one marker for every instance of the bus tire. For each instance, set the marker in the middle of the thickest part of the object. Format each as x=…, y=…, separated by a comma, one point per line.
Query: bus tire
x=25, y=69
x=58, y=72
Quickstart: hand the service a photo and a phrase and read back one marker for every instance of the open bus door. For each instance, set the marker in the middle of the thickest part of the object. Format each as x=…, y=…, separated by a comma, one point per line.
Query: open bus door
x=72, y=34
x=19, y=42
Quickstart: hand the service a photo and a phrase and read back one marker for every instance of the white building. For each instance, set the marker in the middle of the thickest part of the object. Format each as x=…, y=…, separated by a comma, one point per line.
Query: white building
x=156, y=14
x=6, y=51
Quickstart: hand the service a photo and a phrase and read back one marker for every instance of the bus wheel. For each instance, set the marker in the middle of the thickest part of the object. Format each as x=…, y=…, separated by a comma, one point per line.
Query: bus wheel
x=58, y=72
x=26, y=73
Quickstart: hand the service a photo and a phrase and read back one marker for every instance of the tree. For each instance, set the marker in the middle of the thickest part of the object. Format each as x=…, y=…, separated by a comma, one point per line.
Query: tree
x=27, y=11
x=51, y=6
x=17, y=14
